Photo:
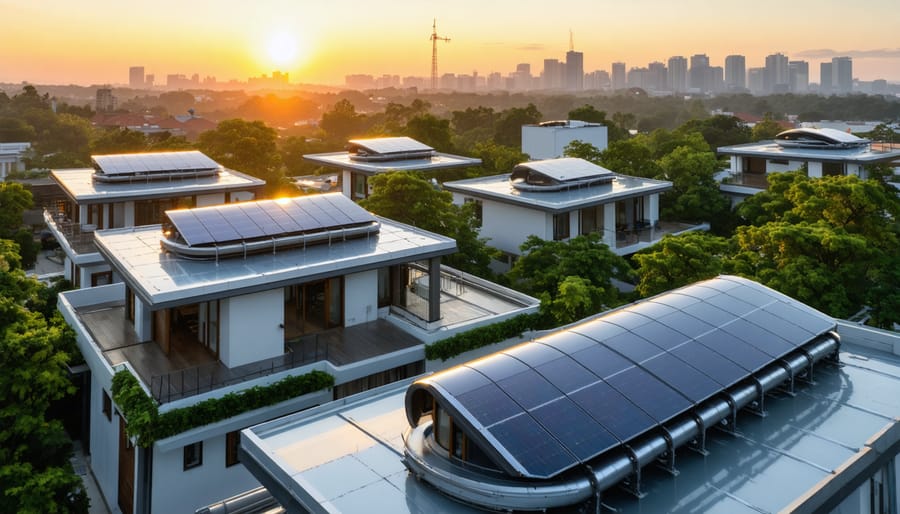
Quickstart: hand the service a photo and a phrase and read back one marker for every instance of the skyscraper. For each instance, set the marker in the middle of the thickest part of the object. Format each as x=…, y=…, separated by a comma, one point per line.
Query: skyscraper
x=106, y=102
x=618, y=75
x=658, y=76
x=136, y=77
x=735, y=73
x=552, y=76
x=574, y=70
x=825, y=73
x=842, y=75
x=776, y=78
x=699, y=71
x=798, y=71
x=676, y=78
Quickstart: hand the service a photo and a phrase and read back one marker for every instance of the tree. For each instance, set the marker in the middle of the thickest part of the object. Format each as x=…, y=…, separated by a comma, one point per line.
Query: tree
x=342, y=122
x=680, y=260
x=247, y=146
x=695, y=193
x=590, y=114
x=768, y=128
x=496, y=159
x=15, y=130
x=508, y=129
x=431, y=130
x=719, y=130
x=35, y=472
x=630, y=157
x=14, y=201
x=584, y=151
x=408, y=198
x=119, y=141
x=549, y=269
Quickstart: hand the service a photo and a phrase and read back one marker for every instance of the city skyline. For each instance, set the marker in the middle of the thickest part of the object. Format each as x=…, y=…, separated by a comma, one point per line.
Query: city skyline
x=95, y=42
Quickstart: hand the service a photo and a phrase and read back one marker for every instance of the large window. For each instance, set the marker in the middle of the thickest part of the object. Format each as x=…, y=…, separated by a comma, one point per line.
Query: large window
x=592, y=220
x=560, y=226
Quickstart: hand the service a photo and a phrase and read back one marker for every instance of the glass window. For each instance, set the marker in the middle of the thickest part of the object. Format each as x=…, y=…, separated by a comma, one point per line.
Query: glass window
x=592, y=220
x=442, y=427
x=193, y=455
x=560, y=226
x=107, y=406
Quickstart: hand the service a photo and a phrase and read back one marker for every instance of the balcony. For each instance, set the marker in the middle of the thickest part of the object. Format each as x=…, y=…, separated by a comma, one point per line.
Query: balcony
x=71, y=235
x=753, y=180
x=629, y=241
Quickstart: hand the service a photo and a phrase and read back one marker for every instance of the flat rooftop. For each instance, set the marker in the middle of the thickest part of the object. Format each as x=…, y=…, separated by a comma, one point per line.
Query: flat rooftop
x=164, y=280
x=81, y=187
x=439, y=161
x=340, y=457
x=498, y=187
x=771, y=150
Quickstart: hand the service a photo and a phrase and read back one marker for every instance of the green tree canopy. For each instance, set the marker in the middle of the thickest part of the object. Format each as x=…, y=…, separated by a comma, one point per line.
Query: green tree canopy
x=342, y=122
x=768, y=128
x=14, y=201
x=508, y=128
x=695, y=195
x=572, y=278
x=680, y=260
x=590, y=114
x=409, y=198
x=247, y=146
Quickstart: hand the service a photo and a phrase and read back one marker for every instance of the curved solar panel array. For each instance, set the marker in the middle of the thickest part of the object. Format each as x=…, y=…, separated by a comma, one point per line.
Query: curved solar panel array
x=549, y=405
x=267, y=219
x=150, y=163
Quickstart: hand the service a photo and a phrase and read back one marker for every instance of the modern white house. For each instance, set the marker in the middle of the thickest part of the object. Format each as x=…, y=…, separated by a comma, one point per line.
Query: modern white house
x=548, y=140
x=365, y=158
x=128, y=190
x=11, y=155
x=722, y=396
x=225, y=298
x=824, y=151
x=557, y=199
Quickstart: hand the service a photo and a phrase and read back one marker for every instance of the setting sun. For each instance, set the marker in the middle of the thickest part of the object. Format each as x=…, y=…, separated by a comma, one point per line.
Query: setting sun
x=283, y=49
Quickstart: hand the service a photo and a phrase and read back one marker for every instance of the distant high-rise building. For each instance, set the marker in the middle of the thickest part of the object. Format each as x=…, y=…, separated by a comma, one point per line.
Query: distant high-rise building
x=842, y=75
x=106, y=102
x=619, y=79
x=756, y=81
x=735, y=73
x=716, y=79
x=574, y=70
x=776, y=77
x=825, y=74
x=136, y=77
x=597, y=80
x=798, y=73
x=677, y=76
x=552, y=76
x=657, y=76
x=699, y=72
x=149, y=79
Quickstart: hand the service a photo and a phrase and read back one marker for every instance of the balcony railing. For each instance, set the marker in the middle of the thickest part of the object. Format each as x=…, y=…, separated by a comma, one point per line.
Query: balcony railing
x=80, y=238
x=201, y=379
x=754, y=180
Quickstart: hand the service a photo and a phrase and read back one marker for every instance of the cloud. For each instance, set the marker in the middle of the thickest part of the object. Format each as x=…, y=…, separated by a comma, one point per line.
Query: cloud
x=531, y=47
x=827, y=53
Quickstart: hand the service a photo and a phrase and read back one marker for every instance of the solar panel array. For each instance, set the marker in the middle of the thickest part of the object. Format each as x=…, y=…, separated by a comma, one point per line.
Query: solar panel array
x=554, y=403
x=387, y=145
x=568, y=168
x=149, y=163
x=247, y=221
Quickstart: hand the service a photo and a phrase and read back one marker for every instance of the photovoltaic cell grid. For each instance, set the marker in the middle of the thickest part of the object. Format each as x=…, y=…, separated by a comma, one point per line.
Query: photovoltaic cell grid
x=149, y=163
x=267, y=219
x=387, y=145
x=568, y=169
x=551, y=404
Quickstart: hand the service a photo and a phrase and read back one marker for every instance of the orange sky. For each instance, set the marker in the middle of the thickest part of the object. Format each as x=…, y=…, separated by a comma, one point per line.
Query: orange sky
x=95, y=41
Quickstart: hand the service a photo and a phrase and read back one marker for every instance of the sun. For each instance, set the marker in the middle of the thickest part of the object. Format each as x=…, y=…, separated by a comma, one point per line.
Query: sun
x=282, y=48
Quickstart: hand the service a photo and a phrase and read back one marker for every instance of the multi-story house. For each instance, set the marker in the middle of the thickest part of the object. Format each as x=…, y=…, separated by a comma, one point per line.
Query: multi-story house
x=131, y=190
x=224, y=299
x=365, y=158
x=557, y=199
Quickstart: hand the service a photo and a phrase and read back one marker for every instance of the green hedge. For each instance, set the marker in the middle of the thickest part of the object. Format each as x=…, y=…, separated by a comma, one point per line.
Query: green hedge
x=483, y=336
x=147, y=425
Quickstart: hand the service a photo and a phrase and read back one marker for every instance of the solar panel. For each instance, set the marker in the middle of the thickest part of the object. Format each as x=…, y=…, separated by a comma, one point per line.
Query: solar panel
x=385, y=145
x=566, y=398
x=161, y=162
x=267, y=219
x=569, y=168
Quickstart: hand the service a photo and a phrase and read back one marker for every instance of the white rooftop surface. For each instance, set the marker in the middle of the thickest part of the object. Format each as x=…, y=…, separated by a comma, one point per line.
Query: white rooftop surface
x=79, y=184
x=568, y=168
x=438, y=161
x=498, y=187
x=771, y=150
x=348, y=457
x=166, y=280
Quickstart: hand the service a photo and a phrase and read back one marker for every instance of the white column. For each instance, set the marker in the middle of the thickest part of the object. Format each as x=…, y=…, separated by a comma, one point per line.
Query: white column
x=143, y=321
x=609, y=224
x=814, y=169
x=346, y=184
x=574, y=223
x=652, y=206
x=737, y=164
x=129, y=215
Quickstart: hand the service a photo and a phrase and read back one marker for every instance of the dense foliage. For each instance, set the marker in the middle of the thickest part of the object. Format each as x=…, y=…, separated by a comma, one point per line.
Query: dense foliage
x=146, y=424
x=486, y=335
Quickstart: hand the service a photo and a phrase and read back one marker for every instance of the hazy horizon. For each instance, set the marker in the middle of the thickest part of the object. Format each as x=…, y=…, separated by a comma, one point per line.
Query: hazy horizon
x=95, y=42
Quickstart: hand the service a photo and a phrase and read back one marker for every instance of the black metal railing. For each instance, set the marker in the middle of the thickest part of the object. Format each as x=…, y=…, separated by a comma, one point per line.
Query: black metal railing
x=208, y=377
x=81, y=241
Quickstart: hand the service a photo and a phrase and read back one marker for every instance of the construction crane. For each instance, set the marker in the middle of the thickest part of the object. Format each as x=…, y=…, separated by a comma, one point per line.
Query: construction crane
x=434, y=39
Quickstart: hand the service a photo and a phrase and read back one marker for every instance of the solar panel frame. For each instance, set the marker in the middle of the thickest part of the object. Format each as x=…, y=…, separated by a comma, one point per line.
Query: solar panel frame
x=161, y=162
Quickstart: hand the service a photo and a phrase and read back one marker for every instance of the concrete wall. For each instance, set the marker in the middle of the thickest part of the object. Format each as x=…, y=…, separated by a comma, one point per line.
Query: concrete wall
x=360, y=297
x=104, y=439
x=252, y=327
x=176, y=489
x=814, y=169
x=507, y=226
x=211, y=199
x=550, y=142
